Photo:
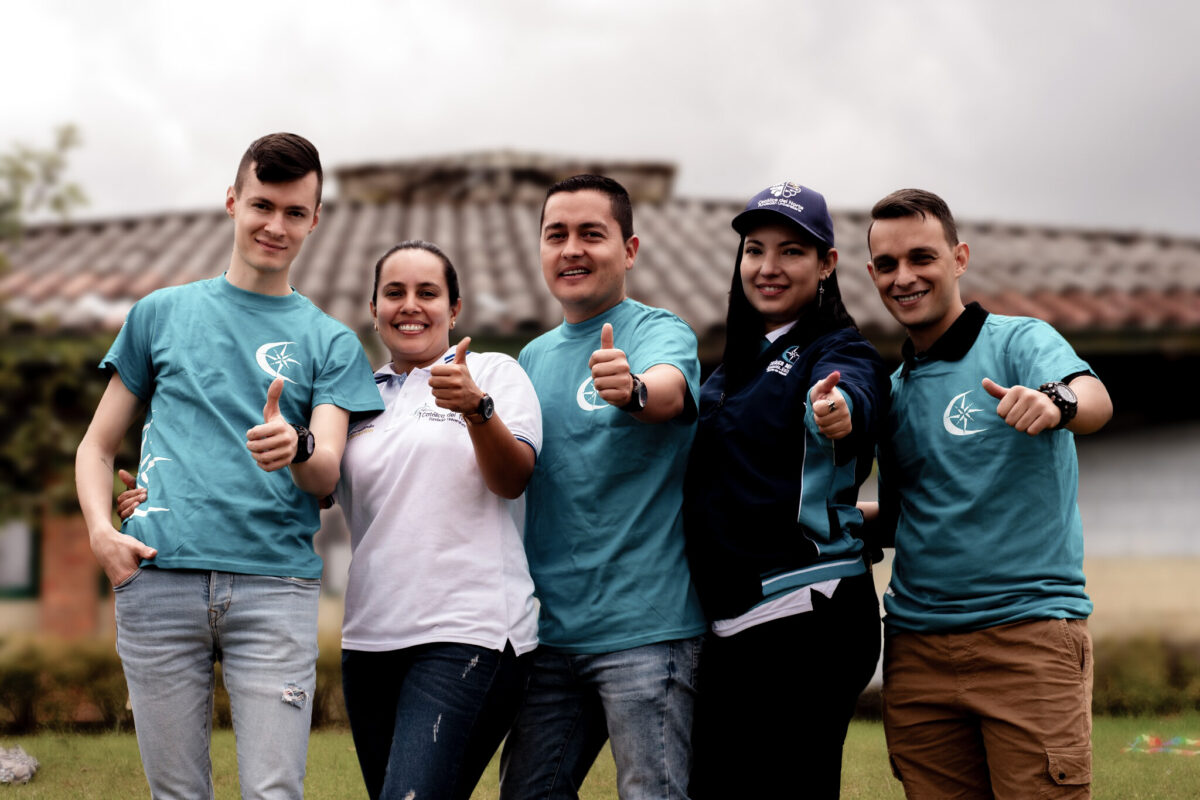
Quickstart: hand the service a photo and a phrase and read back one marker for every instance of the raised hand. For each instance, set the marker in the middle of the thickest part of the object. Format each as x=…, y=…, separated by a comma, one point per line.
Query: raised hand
x=1027, y=410
x=452, y=385
x=610, y=370
x=273, y=444
x=830, y=410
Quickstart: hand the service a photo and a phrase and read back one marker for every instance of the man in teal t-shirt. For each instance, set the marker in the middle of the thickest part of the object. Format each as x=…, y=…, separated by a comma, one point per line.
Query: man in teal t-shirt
x=987, y=667
x=620, y=624
x=248, y=390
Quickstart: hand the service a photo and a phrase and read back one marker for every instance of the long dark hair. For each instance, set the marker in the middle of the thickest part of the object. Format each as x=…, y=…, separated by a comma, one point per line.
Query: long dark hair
x=745, y=327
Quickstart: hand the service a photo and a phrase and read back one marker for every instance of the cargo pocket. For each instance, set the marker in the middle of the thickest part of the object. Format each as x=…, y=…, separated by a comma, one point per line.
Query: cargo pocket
x=1070, y=766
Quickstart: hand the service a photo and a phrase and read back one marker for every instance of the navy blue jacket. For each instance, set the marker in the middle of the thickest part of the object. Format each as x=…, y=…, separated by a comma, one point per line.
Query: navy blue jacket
x=769, y=503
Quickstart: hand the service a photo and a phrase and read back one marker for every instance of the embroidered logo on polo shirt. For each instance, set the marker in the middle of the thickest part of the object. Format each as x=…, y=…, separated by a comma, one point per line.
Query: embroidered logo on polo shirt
x=275, y=358
x=438, y=414
x=959, y=415
x=783, y=364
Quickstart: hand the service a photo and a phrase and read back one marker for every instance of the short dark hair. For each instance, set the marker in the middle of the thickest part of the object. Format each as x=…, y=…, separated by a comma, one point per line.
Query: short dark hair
x=622, y=207
x=429, y=247
x=280, y=158
x=915, y=203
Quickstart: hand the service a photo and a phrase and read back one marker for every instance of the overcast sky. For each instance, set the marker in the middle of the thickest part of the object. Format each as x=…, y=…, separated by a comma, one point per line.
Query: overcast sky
x=1076, y=113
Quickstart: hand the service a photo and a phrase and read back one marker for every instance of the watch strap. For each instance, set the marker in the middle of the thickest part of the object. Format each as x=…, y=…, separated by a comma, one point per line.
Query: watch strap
x=637, y=396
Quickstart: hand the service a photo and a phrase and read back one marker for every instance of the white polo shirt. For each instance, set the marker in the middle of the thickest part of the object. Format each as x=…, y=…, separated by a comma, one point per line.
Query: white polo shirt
x=437, y=557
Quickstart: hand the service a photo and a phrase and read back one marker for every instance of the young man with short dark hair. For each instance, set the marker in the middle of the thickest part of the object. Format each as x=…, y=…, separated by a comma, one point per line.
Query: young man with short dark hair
x=987, y=658
x=620, y=624
x=242, y=377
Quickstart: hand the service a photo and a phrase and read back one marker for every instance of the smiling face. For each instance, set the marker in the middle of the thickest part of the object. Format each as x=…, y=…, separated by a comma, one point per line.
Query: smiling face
x=412, y=308
x=916, y=273
x=270, y=223
x=780, y=271
x=584, y=257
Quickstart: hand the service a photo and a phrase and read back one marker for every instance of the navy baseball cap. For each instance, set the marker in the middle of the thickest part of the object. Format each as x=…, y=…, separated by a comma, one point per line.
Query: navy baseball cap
x=798, y=204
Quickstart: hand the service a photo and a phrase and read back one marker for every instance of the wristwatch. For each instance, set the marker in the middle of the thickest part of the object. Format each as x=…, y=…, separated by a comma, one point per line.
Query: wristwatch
x=1064, y=397
x=637, y=397
x=483, y=412
x=305, y=444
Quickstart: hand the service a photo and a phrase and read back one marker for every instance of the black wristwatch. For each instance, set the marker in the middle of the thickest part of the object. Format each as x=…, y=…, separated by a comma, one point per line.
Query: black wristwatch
x=637, y=397
x=305, y=444
x=1064, y=397
x=483, y=411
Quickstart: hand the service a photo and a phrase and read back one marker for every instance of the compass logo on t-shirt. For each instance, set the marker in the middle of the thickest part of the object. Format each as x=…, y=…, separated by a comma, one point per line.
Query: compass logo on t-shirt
x=588, y=398
x=275, y=358
x=960, y=415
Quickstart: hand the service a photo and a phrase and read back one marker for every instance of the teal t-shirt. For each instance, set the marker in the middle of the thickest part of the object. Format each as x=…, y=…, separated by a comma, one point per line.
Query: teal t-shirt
x=989, y=529
x=202, y=355
x=603, y=527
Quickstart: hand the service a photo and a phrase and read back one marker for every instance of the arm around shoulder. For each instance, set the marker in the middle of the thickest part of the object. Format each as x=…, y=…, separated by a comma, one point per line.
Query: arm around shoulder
x=1095, y=406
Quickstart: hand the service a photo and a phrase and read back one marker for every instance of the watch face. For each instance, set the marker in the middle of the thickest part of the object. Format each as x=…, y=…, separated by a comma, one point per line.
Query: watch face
x=640, y=393
x=1066, y=393
x=487, y=407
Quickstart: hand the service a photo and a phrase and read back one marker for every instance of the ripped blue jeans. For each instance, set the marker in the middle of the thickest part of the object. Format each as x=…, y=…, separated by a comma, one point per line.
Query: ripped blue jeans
x=427, y=719
x=172, y=626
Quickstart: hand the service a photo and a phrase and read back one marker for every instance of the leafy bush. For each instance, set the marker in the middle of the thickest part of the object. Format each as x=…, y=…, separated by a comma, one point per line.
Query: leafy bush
x=53, y=685
x=1146, y=675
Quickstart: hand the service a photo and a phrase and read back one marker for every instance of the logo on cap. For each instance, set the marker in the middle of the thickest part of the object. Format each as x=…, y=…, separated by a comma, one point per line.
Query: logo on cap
x=788, y=189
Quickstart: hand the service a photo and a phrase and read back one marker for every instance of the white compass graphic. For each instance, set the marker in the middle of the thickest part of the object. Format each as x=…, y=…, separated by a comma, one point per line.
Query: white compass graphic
x=588, y=398
x=959, y=415
x=274, y=358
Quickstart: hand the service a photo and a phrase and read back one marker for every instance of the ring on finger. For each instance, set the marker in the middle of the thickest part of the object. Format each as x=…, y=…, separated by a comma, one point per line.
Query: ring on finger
x=832, y=405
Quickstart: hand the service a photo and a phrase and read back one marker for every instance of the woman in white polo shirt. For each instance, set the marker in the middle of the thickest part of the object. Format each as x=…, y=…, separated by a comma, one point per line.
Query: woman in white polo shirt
x=440, y=617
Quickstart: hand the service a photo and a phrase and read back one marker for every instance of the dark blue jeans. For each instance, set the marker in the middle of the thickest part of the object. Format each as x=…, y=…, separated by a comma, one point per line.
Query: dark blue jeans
x=427, y=719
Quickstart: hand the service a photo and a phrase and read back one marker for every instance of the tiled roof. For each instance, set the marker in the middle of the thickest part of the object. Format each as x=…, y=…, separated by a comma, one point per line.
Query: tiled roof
x=86, y=275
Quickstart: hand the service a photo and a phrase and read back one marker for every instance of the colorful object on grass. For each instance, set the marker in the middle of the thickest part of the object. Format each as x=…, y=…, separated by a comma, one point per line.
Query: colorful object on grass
x=1179, y=745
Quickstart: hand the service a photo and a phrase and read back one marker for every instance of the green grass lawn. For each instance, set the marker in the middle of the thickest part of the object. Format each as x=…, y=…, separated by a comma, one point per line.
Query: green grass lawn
x=80, y=766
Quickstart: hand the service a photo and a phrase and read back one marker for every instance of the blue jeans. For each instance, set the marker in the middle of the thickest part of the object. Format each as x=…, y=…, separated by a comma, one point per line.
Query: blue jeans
x=641, y=699
x=427, y=719
x=172, y=626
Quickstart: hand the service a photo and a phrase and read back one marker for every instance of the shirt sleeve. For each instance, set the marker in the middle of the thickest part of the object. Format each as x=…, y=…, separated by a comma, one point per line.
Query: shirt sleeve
x=129, y=356
x=664, y=338
x=346, y=379
x=1037, y=354
x=516, y=401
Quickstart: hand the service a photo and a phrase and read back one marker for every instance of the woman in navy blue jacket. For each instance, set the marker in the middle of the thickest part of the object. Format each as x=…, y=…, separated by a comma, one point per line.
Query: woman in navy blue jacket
x=786, y=436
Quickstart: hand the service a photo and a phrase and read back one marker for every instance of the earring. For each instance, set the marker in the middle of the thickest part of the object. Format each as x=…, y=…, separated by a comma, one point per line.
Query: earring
x=820, y=291
x=452, y=324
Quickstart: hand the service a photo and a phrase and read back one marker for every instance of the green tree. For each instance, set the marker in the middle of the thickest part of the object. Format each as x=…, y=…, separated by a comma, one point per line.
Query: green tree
x=45, y=399
x=31, y=182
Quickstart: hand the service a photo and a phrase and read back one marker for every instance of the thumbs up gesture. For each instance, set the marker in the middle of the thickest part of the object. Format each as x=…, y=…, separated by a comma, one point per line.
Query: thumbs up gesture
x=1027, y=410
x=273, y=444
x=610, y=370
x=829, y=407
x=453, y=387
